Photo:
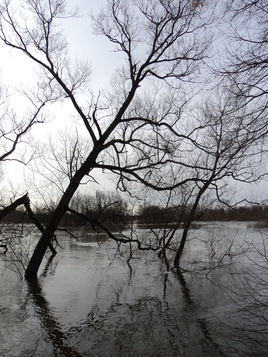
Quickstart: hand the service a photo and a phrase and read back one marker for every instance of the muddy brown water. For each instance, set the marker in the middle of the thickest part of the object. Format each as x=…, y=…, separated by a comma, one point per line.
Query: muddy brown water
x=88, y=302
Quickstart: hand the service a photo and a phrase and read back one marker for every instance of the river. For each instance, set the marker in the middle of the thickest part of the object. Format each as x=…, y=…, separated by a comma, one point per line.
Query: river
x=88, y=302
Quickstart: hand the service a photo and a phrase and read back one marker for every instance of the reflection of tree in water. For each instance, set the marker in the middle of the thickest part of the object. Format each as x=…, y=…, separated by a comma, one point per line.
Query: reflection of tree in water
x=146, y=326
x=245, y=327
x=60, y=344
x=207, y=341
x=48, y=268
x=164, y=323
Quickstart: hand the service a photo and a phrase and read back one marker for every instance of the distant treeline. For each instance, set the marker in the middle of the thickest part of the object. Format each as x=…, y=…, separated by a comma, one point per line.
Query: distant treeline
x=69, y=219
x=103, y=207
x=239, y=213
x=156, y=214
x=146, y=214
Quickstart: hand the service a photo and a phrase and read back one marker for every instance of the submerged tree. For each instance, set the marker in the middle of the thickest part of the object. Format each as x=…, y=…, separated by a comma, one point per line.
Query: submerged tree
x=161, y=42
x=229, y=148
x=232, y=140
x=144, y=130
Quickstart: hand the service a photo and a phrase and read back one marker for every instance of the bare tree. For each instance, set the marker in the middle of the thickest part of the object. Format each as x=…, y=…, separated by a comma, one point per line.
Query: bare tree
x=229, y=148
x=246, y=61
x=160, y=41
x=232, y=147
x=150, y=137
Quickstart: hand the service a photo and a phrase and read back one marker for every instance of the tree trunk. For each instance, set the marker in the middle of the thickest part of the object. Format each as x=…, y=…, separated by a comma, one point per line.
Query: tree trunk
x=49, y=231
x=181, y=247
x=40, y=250
x=191, y=218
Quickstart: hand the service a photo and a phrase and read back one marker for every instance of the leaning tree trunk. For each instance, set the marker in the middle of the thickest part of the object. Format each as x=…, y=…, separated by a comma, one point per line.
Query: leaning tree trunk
x=89, y=163
x=49, y=231
x=52, y=225
x=181, y=246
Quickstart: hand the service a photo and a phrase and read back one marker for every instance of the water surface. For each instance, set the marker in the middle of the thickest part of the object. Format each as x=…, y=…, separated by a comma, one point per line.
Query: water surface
x=88, y=302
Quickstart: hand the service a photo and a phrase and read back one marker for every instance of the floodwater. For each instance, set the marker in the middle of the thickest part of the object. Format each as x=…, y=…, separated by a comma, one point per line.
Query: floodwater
x=88, y=302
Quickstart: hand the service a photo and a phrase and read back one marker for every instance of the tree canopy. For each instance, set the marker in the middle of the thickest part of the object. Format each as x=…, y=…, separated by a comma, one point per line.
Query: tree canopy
x=170, y=122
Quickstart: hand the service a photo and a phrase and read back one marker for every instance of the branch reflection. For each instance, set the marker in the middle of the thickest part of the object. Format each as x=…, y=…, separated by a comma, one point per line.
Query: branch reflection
x=49, y=322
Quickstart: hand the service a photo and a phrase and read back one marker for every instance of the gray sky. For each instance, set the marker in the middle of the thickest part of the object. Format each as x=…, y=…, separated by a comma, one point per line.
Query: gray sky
x=17, y=70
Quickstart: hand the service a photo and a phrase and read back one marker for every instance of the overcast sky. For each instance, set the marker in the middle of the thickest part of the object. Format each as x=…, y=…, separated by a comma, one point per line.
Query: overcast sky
x=17, y=69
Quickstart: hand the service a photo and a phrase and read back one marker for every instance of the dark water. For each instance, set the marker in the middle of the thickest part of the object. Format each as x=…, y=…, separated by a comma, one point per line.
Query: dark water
x=88, y=302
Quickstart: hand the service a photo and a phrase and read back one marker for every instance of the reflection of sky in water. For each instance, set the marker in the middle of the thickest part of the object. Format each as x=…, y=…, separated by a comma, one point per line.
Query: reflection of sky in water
x=89, y=303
